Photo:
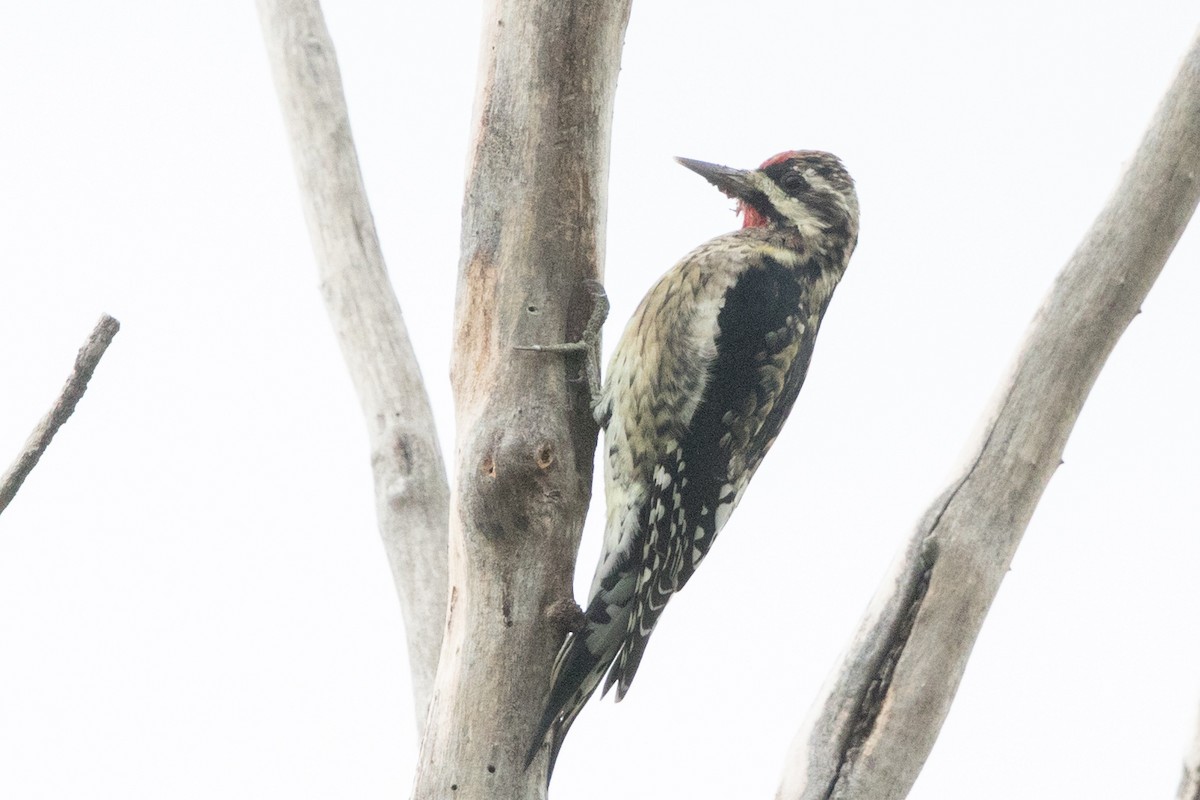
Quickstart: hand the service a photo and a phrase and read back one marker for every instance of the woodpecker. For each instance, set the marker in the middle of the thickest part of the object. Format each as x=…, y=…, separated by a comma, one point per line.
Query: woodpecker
x=696, y=392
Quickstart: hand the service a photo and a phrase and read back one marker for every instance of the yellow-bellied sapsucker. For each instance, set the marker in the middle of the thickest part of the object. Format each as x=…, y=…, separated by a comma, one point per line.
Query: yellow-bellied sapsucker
x=696, y=392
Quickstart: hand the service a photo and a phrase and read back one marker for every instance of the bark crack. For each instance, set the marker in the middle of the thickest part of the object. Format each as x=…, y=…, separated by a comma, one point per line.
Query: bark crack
x=871, y=703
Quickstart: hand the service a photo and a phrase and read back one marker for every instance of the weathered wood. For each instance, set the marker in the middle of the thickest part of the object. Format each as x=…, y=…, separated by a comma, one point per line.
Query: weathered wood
x=1189, y=784
x=85, y=364
x=411, y=496
x=533, y=233
x=872, y=729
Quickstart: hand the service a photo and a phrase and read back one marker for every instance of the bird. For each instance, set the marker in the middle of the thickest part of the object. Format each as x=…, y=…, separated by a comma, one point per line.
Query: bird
x=694, y=395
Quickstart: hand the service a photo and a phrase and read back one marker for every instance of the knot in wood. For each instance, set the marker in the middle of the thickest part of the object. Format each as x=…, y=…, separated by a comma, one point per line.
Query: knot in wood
x=544, y=457
x=488, y=466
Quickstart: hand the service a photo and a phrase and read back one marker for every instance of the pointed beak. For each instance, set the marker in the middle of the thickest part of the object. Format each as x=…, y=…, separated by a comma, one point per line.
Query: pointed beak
x=733, y=182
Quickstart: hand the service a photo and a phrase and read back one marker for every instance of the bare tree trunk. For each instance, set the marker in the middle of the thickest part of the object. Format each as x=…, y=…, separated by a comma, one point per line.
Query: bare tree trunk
x=870, y=733
x=411, y=496
x=533, y=232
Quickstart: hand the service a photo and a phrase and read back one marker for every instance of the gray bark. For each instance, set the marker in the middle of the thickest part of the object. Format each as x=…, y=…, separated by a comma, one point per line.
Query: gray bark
x=1189, y=784
x=533, y=233
x=870, y=732
x=85, y=364
x=411, y=496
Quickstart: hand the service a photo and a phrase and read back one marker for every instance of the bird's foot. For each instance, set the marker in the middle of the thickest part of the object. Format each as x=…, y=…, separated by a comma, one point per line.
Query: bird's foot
x=588, y=344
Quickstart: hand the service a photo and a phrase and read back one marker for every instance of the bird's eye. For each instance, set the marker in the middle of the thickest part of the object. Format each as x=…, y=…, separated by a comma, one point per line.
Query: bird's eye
x=794, y=183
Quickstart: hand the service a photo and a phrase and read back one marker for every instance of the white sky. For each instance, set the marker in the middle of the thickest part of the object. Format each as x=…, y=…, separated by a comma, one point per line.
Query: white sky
x=193, y=599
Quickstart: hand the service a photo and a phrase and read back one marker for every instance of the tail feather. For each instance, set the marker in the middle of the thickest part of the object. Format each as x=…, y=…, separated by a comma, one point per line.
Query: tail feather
x=653, y=591
x=581, y=664
x=642, y=619
x=626, y=666
x=576, y=675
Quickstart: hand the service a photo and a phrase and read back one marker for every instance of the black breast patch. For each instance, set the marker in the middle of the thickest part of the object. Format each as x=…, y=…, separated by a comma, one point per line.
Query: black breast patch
x=763, y=350
x=762, y=356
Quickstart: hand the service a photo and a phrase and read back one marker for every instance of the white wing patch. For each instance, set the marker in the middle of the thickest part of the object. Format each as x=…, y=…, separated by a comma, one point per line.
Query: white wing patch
x=729, y=500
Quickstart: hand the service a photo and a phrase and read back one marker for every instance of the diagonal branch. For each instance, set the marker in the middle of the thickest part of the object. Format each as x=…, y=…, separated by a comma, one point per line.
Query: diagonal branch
x=410, y=479
x=872, y=729
x=85, y=364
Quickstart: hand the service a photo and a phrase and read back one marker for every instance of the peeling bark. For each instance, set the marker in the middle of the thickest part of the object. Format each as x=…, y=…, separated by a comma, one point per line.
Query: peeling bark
x=875, y=723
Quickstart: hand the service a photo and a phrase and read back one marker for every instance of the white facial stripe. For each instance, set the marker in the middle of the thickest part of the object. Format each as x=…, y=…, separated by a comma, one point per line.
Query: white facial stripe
x=796, y=212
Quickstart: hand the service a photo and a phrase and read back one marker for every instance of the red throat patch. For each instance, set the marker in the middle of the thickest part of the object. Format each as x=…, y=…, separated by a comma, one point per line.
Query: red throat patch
x=750, y=216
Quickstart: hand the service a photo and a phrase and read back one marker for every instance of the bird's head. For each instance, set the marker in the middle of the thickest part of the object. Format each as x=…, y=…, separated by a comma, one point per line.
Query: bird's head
x=808, y=190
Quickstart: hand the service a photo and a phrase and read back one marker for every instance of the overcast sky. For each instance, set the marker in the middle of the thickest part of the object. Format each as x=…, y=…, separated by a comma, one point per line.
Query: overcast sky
x=194, y=602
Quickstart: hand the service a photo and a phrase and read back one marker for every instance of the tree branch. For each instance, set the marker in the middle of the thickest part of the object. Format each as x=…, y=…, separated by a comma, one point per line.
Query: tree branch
x=1189, y=784
x=85, y=364
x=411, y=495
x=533, y=233
x=872, y=729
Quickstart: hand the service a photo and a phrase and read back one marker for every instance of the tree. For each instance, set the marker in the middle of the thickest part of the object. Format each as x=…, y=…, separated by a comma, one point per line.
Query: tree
x=532, y=223
x=812, y=102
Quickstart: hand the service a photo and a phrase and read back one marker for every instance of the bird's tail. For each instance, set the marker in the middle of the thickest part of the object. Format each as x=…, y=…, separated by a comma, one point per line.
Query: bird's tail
x=673, y=558
x=642, y=616
x=582, y=662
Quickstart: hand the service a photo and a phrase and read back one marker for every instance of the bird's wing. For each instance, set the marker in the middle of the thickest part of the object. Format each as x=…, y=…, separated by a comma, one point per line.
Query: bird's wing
x=764, y=343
